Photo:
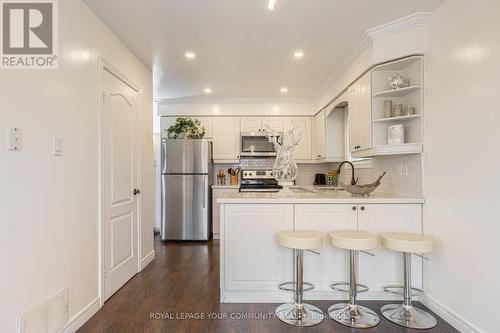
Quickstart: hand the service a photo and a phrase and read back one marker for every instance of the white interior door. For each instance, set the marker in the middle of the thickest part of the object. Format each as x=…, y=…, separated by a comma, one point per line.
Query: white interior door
x=119, y=156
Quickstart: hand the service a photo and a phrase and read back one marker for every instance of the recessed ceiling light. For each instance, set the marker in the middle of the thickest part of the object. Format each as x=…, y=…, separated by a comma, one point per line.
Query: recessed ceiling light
x=298, y=54
x=190, y=55
x=271, y=4
x=208, y=90
x=284, y=90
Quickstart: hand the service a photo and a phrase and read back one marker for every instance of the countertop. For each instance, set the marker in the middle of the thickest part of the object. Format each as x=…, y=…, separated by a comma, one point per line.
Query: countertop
x=225, y=186
x=308, y=195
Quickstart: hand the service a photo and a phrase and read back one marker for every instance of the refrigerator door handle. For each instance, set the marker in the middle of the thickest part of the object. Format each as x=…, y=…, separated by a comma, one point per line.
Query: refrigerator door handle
x=205, y=195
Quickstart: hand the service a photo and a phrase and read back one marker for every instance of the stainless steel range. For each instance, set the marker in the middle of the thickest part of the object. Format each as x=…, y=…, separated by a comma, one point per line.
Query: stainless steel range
x=258, y=181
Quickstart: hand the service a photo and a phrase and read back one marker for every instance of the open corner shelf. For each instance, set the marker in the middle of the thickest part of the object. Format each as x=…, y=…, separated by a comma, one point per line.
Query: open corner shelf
x=395, y=119
x=397, y=92
x=407, y=148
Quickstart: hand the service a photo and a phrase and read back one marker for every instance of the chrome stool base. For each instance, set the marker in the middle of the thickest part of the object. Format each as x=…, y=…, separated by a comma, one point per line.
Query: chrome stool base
x=302, y=315
x=355, y=316
x=408, y=316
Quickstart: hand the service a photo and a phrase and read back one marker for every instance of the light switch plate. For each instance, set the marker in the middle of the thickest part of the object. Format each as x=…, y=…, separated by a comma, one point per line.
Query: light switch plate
x=14, y=139
x=58, y=146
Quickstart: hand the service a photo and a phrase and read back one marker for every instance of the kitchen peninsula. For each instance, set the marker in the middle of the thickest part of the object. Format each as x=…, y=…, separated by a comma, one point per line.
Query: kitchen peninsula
x=253, y=265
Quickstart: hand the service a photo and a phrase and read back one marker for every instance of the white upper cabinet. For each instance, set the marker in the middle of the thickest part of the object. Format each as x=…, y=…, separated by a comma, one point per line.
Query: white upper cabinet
x=360, y=114
x=207, y=123
x=319, y=144
x=303, y=124
x=251, y=124
x=260, y=124
x=274, y=123
x=226, y=134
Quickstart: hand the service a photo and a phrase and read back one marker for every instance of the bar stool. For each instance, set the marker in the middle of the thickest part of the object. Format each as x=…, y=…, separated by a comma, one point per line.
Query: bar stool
x=406, y=314
x=299, y=313
x=351, y=314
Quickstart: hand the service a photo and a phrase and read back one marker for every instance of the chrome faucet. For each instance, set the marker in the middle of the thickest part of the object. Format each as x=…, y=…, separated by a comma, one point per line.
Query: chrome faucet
x=353, y=180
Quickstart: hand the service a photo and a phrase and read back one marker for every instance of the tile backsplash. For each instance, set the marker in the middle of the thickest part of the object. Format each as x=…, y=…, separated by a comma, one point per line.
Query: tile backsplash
x=404, y=174
x=306, y=171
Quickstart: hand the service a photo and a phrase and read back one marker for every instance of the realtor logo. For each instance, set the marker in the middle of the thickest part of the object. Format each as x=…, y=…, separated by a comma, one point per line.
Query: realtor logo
x=29, y=34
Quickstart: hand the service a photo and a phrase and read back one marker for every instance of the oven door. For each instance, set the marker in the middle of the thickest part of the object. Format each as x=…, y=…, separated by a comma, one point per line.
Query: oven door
x=257, y=145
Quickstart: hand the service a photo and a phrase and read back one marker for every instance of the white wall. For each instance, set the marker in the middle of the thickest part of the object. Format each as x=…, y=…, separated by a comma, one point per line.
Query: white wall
x=461, y=172
x=237, y=107
x=48, y=205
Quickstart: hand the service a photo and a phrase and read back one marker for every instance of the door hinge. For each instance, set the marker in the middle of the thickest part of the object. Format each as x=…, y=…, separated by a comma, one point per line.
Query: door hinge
x=104, y=273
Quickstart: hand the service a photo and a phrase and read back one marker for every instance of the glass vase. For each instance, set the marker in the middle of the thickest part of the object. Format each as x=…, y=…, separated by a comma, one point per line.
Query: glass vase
x=285, y=169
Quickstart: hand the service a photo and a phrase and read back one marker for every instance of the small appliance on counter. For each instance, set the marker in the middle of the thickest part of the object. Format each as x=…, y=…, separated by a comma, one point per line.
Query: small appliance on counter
x=258, y=181
x=320, y=179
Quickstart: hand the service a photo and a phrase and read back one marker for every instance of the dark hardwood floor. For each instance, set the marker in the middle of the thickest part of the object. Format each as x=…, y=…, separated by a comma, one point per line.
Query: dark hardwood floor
x=183, y=281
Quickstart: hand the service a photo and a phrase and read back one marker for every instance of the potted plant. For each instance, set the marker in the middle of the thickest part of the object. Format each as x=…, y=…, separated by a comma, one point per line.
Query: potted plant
x=186, y=128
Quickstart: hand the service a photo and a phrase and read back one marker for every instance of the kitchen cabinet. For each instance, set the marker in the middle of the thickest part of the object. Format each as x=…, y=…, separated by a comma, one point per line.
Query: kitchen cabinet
x=260, y=124
x=252, y=259
x=331, y=265
x=206, y=122
x=304, y=148
x=386, y=267
x=319, y=143
x=226, y=138
x=219, y=193
x=252, y=265
x=360, y=114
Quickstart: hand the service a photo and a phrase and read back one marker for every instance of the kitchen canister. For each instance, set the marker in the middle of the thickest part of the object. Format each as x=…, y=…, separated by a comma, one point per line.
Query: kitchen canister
x=396, y=134
x=398, y=110
x=388, y=108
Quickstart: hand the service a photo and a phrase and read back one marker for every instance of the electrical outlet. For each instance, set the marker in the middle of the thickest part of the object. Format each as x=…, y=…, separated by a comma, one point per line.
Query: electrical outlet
x=14, y=139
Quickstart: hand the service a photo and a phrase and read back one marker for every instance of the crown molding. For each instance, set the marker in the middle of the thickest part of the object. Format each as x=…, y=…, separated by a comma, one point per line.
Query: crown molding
x=363, y=43
x=415, y=20
x=213, y=100
x=404, y=23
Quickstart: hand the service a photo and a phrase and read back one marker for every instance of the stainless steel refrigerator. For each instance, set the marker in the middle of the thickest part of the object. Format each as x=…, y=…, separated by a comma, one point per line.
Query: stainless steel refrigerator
x=186, y=196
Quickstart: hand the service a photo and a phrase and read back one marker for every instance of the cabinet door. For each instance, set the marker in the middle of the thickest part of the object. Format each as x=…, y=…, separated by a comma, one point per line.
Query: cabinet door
x=252, y=259
x=219, y=193
x=319, y=135
x=303, y=150
x=365, y=111
x=332, y=265
x=274, y=123
x=251, y=124
x=353, y=120
x=226, y=132
x=166, y=122
x=386, y=267
x=207, y=123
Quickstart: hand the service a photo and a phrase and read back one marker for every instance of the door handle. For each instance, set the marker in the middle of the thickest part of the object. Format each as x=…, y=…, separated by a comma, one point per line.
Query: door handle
x=137, y=191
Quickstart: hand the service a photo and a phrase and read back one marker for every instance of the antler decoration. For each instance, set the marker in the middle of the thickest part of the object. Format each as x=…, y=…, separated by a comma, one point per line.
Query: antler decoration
x=291, y=138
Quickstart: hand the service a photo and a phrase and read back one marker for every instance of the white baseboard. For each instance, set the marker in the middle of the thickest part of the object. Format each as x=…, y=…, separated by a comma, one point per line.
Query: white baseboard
x=450, y=316
x=147, y=259
x=83, y=316
x=215, y=236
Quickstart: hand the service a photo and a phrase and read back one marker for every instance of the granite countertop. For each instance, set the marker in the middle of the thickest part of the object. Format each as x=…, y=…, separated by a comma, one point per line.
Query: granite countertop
x=308, y=194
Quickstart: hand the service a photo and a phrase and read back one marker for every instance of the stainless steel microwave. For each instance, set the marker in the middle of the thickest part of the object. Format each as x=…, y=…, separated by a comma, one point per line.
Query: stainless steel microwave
x=257, y=145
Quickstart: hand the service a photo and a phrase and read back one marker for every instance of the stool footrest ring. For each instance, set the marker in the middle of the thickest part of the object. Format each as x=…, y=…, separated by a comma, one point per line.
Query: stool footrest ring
x=290, y=286
x=398, y=290
x=360, y=288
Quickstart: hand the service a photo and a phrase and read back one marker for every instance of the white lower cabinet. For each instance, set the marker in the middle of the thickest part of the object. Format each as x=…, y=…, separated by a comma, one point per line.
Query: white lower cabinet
x=253, y=265
x=386, y=268
x=219, y=193
x=252, y=259
x=332, y=264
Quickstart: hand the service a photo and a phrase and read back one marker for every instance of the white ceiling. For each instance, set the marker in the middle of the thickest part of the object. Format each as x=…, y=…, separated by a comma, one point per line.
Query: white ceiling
x=243, y=49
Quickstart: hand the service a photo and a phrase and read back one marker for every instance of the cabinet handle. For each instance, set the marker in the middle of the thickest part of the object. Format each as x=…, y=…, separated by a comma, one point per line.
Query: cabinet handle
x=362, y=208
x=354, y=208
x=357, y=147
x=319, y=156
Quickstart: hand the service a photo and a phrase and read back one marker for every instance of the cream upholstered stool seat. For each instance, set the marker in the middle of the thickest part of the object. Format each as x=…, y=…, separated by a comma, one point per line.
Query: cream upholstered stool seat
x=406, y=314
x=299, y=313
x=351, y=314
